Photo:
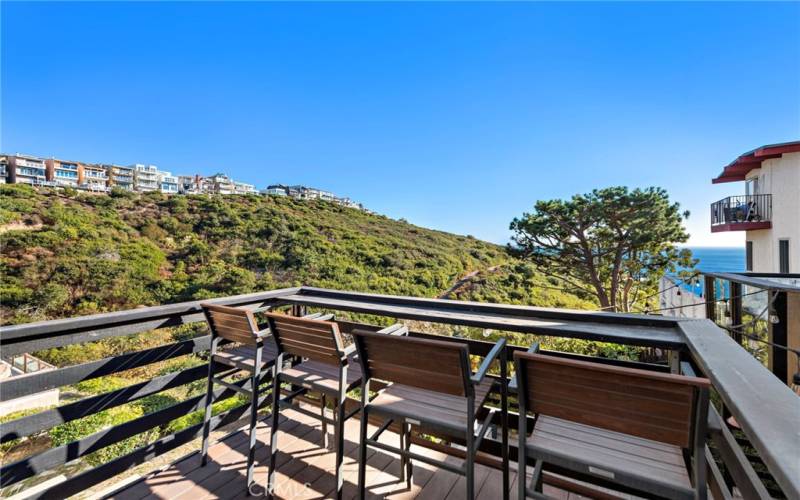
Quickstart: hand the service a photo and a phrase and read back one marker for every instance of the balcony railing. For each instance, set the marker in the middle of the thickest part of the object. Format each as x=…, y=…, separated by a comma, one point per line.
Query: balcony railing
x=742, y=213
x=764, y=408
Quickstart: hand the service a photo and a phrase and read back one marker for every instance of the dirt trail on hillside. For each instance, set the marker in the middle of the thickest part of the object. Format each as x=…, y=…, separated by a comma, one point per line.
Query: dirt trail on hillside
x=463, y=281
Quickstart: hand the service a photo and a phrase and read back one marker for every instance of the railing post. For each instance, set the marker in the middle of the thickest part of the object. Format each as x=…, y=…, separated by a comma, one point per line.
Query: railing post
x=709, y=294
x=778, y=320
x=736, y=310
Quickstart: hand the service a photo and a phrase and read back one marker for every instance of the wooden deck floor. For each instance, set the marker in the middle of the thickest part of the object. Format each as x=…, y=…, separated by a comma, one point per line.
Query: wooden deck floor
x=305, y=469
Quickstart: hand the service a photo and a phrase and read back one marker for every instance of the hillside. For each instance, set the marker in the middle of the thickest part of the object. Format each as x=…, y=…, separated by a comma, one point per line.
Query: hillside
x=66, y=254
x=69, y=253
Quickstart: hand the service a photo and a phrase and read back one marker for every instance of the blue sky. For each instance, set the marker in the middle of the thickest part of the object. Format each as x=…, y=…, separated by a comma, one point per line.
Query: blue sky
x=453, y=116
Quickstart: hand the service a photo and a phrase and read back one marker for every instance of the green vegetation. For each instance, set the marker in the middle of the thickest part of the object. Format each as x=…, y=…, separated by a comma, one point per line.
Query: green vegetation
x=67, y=255
x=613, y=243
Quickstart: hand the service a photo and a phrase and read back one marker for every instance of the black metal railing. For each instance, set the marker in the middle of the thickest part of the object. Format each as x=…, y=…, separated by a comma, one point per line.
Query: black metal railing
x=767, y=416
x=742, y=209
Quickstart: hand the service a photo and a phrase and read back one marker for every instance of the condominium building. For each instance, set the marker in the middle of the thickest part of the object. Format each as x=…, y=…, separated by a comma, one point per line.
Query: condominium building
x=63, y=173
x=189, y=184
x=167, y=182
x=307, y=193
x=275, y=190
x=219, y=184
x=93, y=178
x=769, y=211
x=120, y=177
x=24, y=169
x=243, y=188
x=145, y=177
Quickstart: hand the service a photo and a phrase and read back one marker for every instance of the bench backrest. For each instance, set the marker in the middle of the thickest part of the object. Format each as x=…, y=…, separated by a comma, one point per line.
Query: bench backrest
x=427, y=364
x=314, y=339
x=657, y=406
x=231, y=323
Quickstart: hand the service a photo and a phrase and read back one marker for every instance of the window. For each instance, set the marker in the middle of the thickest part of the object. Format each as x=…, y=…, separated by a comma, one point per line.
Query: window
x=748, y=256
x=783, y=256
x=751, y=186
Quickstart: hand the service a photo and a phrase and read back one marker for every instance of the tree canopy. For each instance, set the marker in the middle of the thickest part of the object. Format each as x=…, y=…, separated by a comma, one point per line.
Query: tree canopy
x=612, y=243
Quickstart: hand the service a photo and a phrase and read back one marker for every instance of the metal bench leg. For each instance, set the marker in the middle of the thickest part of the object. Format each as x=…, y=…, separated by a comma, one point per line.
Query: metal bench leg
x=504, y=420
x=362, y=442
x=323, y=401
x=521, y=450
x=536, y=483
x=470, y=465
x=340, y=402
x=251, y=454
x=209, y=402
x=409, y=466
x=273, y=438
x=402, y=436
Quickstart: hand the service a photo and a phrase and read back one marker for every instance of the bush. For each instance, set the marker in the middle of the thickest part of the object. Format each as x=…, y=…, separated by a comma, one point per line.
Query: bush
x=78, y=429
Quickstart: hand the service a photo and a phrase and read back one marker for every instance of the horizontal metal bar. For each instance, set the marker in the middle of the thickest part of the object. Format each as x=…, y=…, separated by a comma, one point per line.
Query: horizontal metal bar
x=29, y=337
x=758, y=280
x=445, y=306
x=53, y=457
x=664, y=335
x=23, y=385
x=233, y=387
x=47, y=419
x=308, y=413
x=84, y=480
x=386, y=423
x=415, y=456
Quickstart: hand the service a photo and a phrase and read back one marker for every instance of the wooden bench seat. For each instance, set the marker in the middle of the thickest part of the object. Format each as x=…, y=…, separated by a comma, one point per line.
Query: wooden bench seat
x=322, y=377
x=608, y=454
x=243, y=356
x=429, y=408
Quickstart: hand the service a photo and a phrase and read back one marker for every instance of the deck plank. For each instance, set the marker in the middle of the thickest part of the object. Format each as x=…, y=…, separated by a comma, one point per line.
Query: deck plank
x=306, y=470
x=232, y=474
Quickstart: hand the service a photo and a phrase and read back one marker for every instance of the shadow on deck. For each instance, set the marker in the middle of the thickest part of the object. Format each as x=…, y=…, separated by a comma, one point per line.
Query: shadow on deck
x=305, y=469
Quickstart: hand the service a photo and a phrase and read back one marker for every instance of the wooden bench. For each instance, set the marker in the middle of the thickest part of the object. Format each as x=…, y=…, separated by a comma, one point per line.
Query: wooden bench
x=623, y=426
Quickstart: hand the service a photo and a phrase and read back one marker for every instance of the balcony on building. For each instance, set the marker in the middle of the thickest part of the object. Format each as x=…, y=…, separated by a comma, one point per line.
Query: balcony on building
x=766, y=172
x=742, y=213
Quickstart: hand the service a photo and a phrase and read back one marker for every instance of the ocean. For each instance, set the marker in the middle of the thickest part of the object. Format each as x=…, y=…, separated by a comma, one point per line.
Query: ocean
x=720, y=259
x=715, y=259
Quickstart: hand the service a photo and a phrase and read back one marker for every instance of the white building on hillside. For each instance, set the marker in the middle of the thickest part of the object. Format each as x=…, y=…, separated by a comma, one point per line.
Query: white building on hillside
x=145, y=178
x=167, y=182
x=243, y=188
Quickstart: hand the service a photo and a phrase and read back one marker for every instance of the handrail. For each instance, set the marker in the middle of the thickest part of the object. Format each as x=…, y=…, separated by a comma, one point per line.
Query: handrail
x=29, y=337
x=741, y=209
x=768, y=426
x=765, y=408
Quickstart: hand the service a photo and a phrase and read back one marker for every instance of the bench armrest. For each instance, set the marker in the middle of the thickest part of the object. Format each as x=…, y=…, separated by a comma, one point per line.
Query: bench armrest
x=488, y=360
x=349, y=351
x=396, y=329
x=513, y=384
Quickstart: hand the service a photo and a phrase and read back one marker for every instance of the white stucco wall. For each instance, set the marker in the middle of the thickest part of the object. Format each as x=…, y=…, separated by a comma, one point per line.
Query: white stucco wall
x=779, y=177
